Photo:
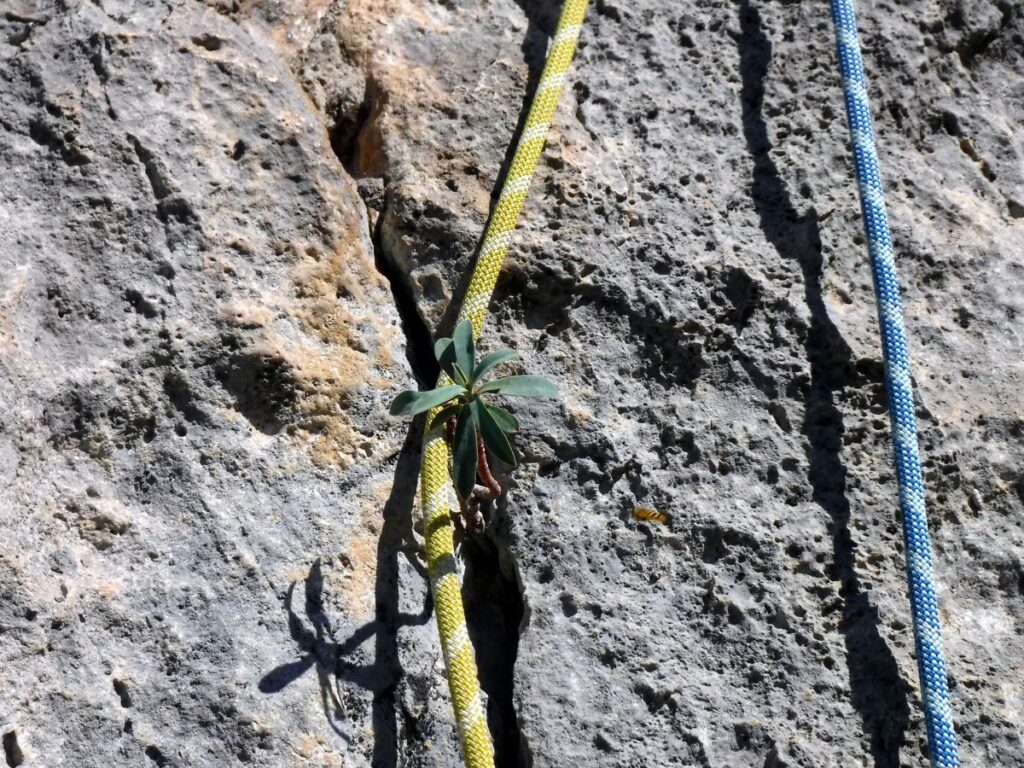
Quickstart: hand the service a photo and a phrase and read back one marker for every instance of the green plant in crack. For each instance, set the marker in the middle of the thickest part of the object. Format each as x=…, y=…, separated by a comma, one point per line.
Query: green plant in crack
x=474, y=426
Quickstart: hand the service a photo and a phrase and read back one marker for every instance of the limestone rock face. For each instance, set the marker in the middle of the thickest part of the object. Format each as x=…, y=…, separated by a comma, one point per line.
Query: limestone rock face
x=197, y=355
x=228, y=232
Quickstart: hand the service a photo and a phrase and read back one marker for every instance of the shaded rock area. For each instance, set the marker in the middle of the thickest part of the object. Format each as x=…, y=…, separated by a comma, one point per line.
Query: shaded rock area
x=228, y=232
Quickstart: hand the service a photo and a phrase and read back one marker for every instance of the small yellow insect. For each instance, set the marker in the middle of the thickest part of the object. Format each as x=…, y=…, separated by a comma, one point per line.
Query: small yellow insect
x=650, y=515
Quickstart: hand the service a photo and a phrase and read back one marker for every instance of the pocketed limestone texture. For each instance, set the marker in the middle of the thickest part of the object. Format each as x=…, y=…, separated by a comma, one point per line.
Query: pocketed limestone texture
x=227, y=234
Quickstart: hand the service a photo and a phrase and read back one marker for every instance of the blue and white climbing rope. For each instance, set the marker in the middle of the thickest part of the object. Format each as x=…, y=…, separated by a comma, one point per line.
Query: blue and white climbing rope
x=924, y=607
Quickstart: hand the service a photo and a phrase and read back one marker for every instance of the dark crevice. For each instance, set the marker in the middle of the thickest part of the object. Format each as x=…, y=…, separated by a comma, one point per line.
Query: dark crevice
x=62, y=142
x=351, y=145
x=493, y=599
x=24, y=16
x=208, y=41
x=878, y=692
x=156, y=175
x=141, y=304
x=492, y=592
x=121, y=689
x=158, y=757
x=349, y=133
x=12, y=750
x=419, y=345
x=170, y=205
x=98, y=49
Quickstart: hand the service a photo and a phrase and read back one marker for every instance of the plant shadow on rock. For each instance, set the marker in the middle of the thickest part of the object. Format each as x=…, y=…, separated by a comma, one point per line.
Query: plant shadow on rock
x=320, y=650
x=879, y=693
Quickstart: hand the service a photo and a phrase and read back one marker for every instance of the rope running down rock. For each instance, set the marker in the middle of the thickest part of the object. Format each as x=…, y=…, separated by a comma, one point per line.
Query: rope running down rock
x=456, y=648
x=924, y=607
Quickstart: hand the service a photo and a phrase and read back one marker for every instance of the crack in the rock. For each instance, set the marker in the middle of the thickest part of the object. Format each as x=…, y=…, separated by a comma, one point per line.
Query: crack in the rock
x=495, y=607
x=419, y=345
x=492, y=591
x=492, y=598
x=346, y=135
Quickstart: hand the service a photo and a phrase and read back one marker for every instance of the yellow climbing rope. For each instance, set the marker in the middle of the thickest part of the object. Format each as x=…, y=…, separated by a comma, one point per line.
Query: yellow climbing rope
x=456, y=648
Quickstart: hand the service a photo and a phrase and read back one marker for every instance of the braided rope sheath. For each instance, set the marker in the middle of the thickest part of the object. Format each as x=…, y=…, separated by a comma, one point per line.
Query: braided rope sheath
x=456, y=648
x=924, y=607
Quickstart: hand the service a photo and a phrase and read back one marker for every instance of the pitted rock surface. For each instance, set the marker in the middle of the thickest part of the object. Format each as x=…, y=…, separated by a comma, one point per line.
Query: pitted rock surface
x=229, y=232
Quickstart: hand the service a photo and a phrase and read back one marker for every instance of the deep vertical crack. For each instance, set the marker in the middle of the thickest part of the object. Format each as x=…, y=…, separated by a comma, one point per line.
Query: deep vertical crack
x=493, y=599
x=419, y=345
x=492, y=591
x=492, y=594
x=347, y=134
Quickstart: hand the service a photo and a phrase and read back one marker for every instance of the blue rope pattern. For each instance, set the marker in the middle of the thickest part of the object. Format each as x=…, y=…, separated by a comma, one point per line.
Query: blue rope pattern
x=927, y=637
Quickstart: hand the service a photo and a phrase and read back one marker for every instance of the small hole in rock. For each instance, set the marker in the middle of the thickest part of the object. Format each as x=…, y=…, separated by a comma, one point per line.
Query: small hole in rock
x=569, y=606
x=121, y=689
x=208, y=41
x=12, y=750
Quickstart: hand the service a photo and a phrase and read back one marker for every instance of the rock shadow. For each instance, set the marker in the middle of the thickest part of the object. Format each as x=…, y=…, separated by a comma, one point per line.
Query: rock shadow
x=320, y=650
x=494, y=614
x=879, y=692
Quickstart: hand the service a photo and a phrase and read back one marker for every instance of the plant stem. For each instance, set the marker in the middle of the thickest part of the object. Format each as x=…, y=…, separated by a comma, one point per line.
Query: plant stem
x=474, y=520
x=484, y=471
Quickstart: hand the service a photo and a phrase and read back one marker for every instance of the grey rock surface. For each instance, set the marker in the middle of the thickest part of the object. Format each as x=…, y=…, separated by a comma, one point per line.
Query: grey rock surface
x=197, y=354
x=210, y=555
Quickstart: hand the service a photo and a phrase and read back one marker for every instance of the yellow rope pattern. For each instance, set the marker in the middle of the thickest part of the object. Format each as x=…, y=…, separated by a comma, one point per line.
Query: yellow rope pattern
x=456, y=648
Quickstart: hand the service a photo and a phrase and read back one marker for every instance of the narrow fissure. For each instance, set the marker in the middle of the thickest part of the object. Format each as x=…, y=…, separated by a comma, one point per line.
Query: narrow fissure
x=492, y=592
x=494, y=616
x=419, y=346
x=346, y=142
